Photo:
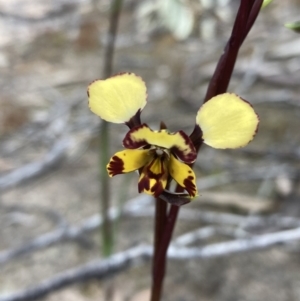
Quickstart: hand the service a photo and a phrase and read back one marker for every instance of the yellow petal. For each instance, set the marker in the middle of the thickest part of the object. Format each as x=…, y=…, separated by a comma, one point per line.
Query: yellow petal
x=227, y=121
x=117, y=98
x=154, y=177
x=128, y=160
x=183, y=175
x=179, y=142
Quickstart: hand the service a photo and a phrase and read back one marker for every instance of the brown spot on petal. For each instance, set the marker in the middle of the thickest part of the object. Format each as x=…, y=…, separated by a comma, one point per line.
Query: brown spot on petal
x=144, y=184
x=157, y=189
x=187, y=155
x=115, y=166
x=196, y=137
x=190, y=186
x=163, y=126
x=152, y=182
x=135, y=120
x=130, y=143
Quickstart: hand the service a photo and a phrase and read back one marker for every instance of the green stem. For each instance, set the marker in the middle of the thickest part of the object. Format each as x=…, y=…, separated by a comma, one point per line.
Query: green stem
x=107, y=228
x=115, y=11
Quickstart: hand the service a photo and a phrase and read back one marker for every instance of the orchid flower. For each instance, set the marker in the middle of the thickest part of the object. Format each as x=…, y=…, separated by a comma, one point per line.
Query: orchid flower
x=224, y=121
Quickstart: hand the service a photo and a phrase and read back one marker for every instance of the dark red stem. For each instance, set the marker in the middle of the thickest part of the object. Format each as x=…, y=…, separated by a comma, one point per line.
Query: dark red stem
x=161, y=251
x=160, y=223
x=246, y=17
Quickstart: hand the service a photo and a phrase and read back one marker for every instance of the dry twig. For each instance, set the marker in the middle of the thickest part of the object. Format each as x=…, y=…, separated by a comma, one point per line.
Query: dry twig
x=65, y=234
x=35, y=169
x=102, y=269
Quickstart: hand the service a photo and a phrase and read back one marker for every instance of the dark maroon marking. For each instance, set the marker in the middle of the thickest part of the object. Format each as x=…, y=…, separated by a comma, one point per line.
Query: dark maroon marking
x=189, y=185
x=121, y=73
x=157, y=189
x=196, y=137
x=129, y=143
x=243, y=99
x=135, y=120
x=163, y=126
x=144, y=183
x=95, y=81
x=191, y=156
x=256, y=130
x=116, y=166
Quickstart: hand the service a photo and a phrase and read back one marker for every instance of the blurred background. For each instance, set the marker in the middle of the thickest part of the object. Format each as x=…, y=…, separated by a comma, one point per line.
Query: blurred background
x=51, y=50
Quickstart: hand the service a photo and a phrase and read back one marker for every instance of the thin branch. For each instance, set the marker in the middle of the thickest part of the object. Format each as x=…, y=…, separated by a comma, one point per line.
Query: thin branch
x=35, y=169
x=135, y=207
x=115, y=11
x=208, y=232
x=236, y=246
x=105, y=268
x=247, y=174
x=218, y=218
x=59, y=12
x=290, y=155
x=98, y=269
x=104, y=138
x=71, y=233
x=139, y=207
